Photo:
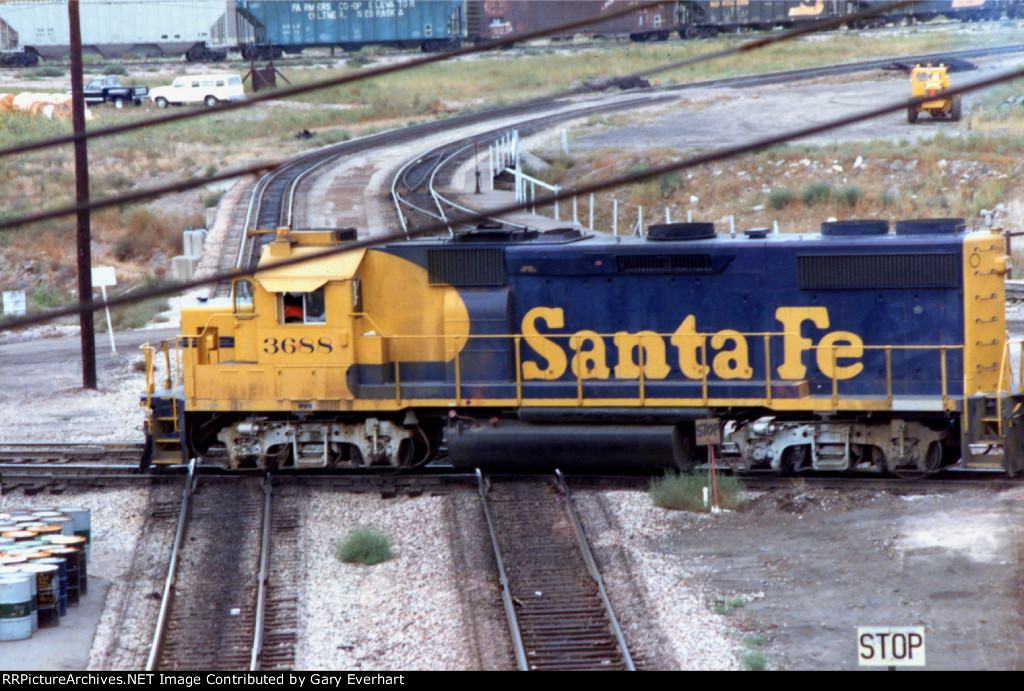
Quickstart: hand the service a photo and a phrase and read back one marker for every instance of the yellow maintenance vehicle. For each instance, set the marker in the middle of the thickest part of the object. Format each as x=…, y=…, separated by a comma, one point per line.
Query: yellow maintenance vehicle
x=932, y=83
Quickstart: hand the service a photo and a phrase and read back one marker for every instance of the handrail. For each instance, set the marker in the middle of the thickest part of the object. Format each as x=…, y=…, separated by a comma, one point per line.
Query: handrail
x=879, y=383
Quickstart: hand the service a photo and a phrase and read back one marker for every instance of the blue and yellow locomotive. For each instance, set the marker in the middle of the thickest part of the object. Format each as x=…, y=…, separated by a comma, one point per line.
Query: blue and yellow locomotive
x=853, y=348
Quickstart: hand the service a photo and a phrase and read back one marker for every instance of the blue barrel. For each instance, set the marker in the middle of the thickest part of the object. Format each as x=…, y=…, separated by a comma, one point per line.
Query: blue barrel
x=15, y=607
x=73, y=558
x=62, y=590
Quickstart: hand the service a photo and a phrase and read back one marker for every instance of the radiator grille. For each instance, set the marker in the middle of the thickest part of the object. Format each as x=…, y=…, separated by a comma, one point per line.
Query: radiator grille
x=469, y=267
x=852, y=271
x=664, y=263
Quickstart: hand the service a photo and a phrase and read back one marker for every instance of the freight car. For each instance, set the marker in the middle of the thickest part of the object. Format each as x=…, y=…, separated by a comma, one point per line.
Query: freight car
x=494, y=19
x=271, y=28
x=855, y=348
x=197, y=29
x=704, y=18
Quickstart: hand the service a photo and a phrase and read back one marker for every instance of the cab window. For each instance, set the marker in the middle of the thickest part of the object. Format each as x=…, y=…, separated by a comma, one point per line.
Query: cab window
x=302, y=308
x=242, y=297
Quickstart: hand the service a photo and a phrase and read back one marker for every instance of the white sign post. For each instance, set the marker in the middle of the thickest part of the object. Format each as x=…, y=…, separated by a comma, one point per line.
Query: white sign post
x=890, y=646
x=103, y=276
x=14, y=303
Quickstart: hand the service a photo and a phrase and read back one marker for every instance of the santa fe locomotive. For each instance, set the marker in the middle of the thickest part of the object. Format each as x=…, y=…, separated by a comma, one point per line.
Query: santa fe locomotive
x=856, y=348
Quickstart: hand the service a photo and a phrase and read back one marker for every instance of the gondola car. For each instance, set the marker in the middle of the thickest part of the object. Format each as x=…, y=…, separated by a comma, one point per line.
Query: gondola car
x=855, y=348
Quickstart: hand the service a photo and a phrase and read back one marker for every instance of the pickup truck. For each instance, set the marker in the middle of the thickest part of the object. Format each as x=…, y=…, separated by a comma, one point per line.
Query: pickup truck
x=110, y=90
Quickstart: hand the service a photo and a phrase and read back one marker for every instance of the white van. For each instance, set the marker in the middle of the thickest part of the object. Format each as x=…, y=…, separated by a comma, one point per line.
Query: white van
x=202, y=88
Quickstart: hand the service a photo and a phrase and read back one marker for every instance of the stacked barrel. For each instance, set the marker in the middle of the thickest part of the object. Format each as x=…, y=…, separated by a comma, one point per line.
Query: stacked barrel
x=47, y=105
x=44, y=555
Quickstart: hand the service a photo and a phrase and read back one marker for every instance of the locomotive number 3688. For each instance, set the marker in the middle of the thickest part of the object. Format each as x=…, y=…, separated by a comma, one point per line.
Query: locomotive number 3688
x=297, y=346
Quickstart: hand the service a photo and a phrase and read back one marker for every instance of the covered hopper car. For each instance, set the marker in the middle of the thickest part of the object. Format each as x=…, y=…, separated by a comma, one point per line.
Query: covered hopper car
x=197, y=29
x=856, y=348
x=269, y=28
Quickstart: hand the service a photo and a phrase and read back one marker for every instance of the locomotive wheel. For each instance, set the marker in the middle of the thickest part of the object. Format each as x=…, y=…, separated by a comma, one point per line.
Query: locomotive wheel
x=792, y=459
x=932, y=464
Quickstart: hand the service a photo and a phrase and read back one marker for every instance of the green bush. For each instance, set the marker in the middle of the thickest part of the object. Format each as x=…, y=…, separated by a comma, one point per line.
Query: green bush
x=685, y=491
x=849, y=195
x=780, y=198
x=115, y=69
x=364, y=547
x=816, y=193
x=723, y=605
x=48, y=71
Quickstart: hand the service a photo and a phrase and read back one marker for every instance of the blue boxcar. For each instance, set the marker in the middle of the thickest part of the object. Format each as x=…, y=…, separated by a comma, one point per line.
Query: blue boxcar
x=351, y=24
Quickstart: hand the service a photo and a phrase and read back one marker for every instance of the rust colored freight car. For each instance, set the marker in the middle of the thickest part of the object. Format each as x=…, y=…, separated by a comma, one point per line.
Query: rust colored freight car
x=494, y=19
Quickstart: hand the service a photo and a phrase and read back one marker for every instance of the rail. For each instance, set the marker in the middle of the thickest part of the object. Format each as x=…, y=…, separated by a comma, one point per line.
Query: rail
x=172, y=571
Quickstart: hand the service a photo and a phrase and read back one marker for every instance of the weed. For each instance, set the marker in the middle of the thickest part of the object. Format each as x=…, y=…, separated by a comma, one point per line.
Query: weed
x=849, y=195
x=670, y=184
x=780, y=198
x=211, y=200
x=754, y=660
x=46, y=297
x=816, y=193
x=115, y=69
x=685, y=492
x=886, y=198
x=364, y=547
x=723, y=605
x=48, y=71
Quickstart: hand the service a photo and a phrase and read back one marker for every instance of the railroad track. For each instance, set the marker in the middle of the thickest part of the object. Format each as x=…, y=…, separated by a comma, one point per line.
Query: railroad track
x=559, y=615
x=209, y=609
x=71, y=452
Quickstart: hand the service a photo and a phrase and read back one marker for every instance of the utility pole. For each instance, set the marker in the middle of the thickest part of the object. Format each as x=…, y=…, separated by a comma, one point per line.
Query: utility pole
x=85, y=317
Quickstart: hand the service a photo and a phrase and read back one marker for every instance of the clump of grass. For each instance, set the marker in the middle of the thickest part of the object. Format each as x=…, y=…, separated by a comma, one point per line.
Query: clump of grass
x=816, y=193
x=46, y=297
x=115, y=69
x=364, y=547
x=849, y=195
x=780, y=198
x=670, y=183
x=211, y=200
x=727, y=605
x=685, y=491
x=48, y=71
x=754, y=660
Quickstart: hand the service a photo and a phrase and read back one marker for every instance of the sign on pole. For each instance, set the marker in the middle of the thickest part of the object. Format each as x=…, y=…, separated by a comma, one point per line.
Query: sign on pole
x=709, y=432
x=890, y=646
x=14, y=303
x=103, y=276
